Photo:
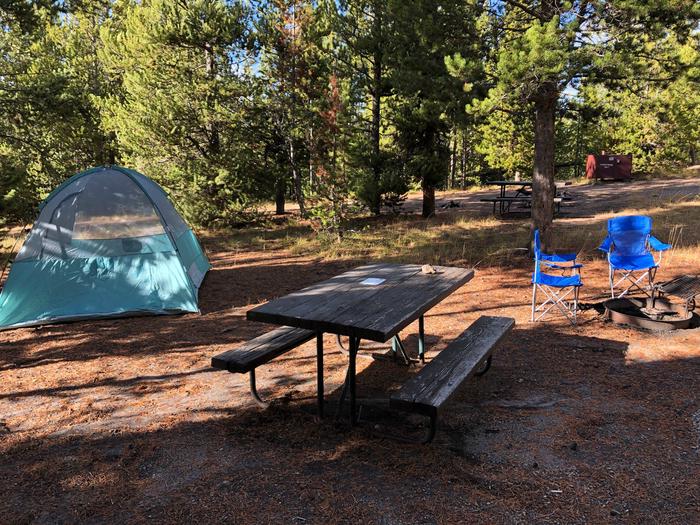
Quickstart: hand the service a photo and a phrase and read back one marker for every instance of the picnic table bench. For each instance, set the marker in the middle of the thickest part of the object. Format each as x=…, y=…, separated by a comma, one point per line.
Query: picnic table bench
x=439, y=380
x=504, y=203
x=261, y=350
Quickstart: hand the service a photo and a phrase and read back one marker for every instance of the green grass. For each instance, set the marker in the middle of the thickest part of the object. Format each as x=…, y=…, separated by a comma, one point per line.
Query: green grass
x=459, y=239
x=450, y=239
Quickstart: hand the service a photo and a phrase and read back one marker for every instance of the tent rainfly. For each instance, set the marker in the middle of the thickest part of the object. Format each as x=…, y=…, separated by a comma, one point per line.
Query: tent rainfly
x=107, y=243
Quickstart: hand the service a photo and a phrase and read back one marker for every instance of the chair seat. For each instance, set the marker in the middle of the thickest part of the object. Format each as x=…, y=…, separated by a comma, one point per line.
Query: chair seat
x=556, y=281
x=632, y=262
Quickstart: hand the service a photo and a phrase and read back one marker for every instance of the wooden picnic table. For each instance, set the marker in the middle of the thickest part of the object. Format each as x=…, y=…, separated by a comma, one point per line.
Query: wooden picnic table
x=522, y=187
x=523, y=194
x=373, y=302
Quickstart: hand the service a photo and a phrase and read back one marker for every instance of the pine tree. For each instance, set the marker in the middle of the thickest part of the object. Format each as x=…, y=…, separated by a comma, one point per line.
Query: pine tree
x=181, y=114
x=545, y=46
x=50, y=124
x=428, y=97
x=363, y=28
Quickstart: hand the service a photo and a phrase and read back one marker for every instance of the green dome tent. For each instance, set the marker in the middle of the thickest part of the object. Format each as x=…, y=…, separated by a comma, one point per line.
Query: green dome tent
x=107, y=243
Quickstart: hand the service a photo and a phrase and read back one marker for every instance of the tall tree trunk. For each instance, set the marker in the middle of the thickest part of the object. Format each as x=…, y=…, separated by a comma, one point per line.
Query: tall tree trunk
x=312, y=181
x=428, y=199
x=375, y=205
x=463, y=161
x=453, y=160
x=211, y=126
x=280, y=189
x=296, y=178
x=543, y=174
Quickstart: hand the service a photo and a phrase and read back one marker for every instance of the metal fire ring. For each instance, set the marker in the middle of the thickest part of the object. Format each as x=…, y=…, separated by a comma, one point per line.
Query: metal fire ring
x=641, y=313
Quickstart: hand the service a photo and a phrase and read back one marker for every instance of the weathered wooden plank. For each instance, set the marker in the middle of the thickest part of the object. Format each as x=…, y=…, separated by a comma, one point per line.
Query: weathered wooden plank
x=328, y=296
x=319, y=314
x=398, y=308
x=349, y=307
x=433, y=386
x=261, y=349
x=313, y=292
x=329, y=302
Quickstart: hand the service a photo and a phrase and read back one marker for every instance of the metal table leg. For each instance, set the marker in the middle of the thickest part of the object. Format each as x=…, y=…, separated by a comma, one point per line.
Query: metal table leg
x=319, y=372
x=421, y=339
x=354, y=345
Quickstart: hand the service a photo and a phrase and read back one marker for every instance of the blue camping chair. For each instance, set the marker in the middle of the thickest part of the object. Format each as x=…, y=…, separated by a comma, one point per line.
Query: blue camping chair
x=556, y=288
x=628, y=247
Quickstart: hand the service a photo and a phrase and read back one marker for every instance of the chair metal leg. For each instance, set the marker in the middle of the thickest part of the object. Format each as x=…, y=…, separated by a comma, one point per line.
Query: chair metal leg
x=534, y=299
x=557, y=299
x=611, y=273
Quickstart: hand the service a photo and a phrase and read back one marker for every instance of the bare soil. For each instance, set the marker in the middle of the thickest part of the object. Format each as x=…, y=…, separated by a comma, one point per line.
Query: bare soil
x=124, y=421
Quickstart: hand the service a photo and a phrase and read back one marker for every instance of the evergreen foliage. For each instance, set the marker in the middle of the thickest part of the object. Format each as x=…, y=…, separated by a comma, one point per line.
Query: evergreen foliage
x=340, y=104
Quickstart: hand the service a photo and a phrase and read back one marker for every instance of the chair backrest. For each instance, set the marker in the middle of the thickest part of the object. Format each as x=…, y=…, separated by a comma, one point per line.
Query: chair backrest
x=537, y=249
x=536, y=245
x=630, y=234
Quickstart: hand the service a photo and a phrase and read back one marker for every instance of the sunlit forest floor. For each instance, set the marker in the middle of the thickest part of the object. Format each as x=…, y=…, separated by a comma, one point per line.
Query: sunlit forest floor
x=124, y=420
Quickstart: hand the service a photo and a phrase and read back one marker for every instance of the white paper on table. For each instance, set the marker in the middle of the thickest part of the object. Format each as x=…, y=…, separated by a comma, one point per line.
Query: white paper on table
x=372, y=281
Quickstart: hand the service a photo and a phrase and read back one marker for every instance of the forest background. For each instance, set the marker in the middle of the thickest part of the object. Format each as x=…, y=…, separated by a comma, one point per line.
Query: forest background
x=340, y=105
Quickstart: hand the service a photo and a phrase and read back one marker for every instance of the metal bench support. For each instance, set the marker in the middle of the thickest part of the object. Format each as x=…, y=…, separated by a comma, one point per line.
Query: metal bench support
x=254, y=390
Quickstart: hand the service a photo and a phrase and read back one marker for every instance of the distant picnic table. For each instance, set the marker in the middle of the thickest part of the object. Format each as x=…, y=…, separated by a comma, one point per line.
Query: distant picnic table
x=522, y=195
x=373, y=302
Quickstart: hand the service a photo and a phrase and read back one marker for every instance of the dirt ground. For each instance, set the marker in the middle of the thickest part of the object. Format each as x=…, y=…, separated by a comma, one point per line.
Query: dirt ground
x=124, y=421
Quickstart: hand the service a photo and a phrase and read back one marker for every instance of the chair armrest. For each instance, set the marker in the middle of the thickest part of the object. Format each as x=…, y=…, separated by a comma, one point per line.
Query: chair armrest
x=606, y=245
x=558, y=257
x=657, y=245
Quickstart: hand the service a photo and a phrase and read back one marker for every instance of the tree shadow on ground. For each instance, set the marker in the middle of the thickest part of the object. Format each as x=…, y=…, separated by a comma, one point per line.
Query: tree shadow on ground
x=221, y=324
x=566, y=431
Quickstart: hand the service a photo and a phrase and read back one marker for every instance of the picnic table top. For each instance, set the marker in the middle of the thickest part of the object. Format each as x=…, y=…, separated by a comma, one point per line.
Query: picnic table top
x=557, y=184
x=509, y=183
x=372, y=302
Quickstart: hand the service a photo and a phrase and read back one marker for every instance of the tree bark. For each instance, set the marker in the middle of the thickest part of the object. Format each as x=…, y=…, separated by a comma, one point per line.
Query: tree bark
x=296, y=178
x=453, y=160
x=214, y=145
x=463, y=161
x=375, y=205
x=428, y=199
x=279, y=196
x=543, y=174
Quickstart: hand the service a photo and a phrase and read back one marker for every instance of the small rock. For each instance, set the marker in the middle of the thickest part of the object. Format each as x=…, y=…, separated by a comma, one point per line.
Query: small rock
x=573, y=446
x=535, y=465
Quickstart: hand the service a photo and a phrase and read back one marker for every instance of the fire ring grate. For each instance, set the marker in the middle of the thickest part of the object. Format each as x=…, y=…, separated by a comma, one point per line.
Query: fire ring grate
x=656, y=314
